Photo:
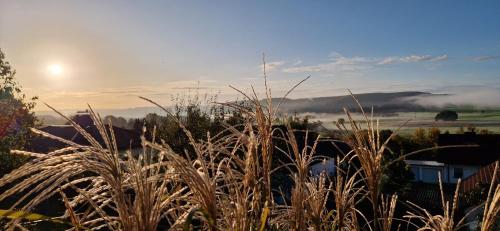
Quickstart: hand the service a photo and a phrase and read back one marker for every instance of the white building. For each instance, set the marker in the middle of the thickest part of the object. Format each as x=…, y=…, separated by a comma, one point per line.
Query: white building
x=427, y=171
x=327, y=165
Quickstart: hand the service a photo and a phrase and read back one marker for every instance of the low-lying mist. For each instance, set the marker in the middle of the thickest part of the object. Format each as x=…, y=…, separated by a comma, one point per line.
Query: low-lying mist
x=477, y=98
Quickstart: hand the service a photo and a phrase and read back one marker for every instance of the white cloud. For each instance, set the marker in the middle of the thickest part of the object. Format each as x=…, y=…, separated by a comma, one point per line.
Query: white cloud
x=270, y=66
x=416, y=58
x=389, y=60
x=485, y=58
x=412, y=59
x=313, y=68
x=338, y=63
x=334, y=54
x=440, y=58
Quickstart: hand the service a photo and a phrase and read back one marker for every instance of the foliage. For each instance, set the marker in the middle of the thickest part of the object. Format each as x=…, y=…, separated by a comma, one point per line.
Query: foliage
x=446, y=115
x=485, y=132
x=198, y=118
x=119, y=121
x=16, y=117
x=397, y=176
x=340, y=121
x=420, y=139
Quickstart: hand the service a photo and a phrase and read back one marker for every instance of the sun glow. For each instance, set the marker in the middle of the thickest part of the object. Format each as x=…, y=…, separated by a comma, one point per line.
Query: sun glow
x=55, y=69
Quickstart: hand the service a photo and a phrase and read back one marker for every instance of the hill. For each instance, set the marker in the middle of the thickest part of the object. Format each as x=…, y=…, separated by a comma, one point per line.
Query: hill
x=381, y=102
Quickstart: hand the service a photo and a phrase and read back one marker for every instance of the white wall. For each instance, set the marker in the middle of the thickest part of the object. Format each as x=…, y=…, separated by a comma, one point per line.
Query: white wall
x=327, y=165
x=429, y=174
x=467, y=170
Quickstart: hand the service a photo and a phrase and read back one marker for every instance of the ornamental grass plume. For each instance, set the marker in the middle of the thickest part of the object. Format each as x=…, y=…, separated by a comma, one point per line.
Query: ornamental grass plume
x=112, y=190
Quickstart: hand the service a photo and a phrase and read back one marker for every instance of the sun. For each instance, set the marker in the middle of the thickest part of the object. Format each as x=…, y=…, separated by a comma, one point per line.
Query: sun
x=55, y=69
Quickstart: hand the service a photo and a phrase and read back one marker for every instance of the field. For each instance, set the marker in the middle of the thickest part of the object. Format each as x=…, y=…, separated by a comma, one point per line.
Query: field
x=489, y=120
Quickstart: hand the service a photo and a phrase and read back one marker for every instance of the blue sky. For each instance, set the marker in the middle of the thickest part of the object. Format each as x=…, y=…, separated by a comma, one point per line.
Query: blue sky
x=112, y=51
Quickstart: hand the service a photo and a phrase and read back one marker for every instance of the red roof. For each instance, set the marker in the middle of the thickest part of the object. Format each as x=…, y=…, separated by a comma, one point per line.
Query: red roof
x=482, y=177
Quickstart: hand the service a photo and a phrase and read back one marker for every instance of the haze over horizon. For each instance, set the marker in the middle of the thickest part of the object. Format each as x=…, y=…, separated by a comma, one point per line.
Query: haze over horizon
x=106, y=53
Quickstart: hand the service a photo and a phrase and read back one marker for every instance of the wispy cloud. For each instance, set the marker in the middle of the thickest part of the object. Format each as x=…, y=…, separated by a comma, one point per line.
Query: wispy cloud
x=412, y=59
x=270, y=66
x=416, y=58
x=440, y=58
x=389, y=60
x=486, y=58
x=337, y=63
x=340, y=63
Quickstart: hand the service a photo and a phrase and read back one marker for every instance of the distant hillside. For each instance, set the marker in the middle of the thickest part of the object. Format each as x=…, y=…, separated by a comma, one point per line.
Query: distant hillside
x=381, y=102
x=408, y=101
x=45, y=119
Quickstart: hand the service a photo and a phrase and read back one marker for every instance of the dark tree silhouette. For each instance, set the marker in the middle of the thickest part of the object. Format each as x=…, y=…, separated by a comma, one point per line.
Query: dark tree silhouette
x=446, y=115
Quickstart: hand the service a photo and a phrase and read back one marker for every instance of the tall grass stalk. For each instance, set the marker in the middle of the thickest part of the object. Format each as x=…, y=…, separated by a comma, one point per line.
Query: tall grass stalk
x=492, y=205
x=369, y=150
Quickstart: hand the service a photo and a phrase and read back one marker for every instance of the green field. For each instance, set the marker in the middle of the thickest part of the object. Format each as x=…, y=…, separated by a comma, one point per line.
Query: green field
x=489, y=120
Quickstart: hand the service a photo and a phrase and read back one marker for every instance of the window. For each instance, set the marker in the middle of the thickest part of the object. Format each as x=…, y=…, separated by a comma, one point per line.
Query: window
x=458, y=172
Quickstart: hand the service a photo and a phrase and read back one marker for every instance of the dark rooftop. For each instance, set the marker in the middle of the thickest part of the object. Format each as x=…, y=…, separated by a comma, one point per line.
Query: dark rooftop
x=486, y=151
x=125, y=139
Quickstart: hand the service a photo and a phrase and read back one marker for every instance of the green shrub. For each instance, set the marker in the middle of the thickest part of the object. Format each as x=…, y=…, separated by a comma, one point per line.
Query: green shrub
x=16, y=117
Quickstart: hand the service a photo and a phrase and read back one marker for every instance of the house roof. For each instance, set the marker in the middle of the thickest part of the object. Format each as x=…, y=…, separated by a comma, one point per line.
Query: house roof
x=428, y=195
x=125, y=138
x=482, y=177
x=425, y=163
x=485, y=151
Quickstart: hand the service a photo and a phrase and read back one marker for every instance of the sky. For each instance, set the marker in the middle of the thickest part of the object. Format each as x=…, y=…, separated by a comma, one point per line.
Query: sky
x=107, y=53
